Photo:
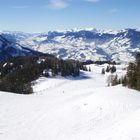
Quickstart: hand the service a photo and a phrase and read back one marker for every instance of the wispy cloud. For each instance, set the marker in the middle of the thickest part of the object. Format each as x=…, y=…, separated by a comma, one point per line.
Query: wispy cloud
x=114, y=10
x=61, y=4
x=58, y=4
x=93, y=1
x=21, y=7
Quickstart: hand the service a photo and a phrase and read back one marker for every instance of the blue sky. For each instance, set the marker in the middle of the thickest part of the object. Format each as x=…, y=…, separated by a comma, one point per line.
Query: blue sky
x=45, y=15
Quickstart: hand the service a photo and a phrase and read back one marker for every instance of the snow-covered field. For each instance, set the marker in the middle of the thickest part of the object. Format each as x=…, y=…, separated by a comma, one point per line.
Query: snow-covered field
x=83, y=108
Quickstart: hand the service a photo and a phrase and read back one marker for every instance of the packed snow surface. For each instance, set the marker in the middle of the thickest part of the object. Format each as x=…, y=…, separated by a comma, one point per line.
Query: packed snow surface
x=69, y=108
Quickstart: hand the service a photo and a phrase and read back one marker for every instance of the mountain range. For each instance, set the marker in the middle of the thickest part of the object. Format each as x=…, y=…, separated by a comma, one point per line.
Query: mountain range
x=79, y=44
x=11, y=48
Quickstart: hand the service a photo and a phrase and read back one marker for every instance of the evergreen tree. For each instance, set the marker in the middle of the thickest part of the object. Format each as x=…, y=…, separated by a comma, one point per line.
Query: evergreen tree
x=137, y=74
x=124, y=81
x=131, y=74
x=89, y=69
x=103, y=71
x=107, y=68
x=113, y=69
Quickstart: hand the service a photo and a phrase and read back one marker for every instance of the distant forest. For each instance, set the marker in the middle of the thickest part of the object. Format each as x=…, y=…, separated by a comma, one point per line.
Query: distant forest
x=16, y=74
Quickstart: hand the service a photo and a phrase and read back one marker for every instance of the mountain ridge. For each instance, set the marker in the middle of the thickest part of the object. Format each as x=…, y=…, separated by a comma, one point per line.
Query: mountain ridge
x=10, y=49
x=83, y=44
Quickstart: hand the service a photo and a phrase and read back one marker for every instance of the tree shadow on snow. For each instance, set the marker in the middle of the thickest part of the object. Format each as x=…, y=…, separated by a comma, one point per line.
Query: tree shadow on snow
x=82, y=76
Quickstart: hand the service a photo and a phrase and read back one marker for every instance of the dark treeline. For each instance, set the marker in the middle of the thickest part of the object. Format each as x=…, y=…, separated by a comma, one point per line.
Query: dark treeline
x=16, y=74
x=99, y=62
x=132, y=78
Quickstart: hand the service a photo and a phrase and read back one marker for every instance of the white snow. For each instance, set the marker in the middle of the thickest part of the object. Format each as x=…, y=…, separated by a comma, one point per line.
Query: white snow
x=83, y=108
x=4, y=65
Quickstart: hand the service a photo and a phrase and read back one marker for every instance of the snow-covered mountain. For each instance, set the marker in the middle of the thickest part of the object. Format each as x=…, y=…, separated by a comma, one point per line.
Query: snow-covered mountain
x=84, y=44
x=9, y=47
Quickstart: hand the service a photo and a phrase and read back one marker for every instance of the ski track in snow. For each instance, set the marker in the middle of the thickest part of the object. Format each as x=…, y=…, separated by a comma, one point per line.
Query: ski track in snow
x=71, y=109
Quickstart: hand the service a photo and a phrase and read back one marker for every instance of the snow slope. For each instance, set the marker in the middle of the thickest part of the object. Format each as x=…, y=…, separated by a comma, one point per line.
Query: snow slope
x=83, y=108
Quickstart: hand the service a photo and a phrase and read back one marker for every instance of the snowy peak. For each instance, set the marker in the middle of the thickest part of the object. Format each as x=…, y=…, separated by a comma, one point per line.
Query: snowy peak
x=84, y=44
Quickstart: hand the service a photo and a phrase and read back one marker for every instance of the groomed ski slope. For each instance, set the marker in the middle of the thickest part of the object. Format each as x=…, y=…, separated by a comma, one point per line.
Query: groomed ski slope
x=83, y=108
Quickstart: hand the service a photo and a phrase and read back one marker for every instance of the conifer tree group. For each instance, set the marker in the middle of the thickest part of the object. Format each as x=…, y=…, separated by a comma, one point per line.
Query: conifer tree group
x=16, y=74
x=132, y=78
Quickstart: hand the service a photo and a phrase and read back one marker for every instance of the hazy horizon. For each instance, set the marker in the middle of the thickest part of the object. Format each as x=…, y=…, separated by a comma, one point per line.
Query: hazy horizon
x=68, y=29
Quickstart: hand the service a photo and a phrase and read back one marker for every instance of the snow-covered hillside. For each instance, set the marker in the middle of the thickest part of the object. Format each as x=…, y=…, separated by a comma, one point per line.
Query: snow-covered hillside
x=9, y=47
x=87, y=44
x=83, y=108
